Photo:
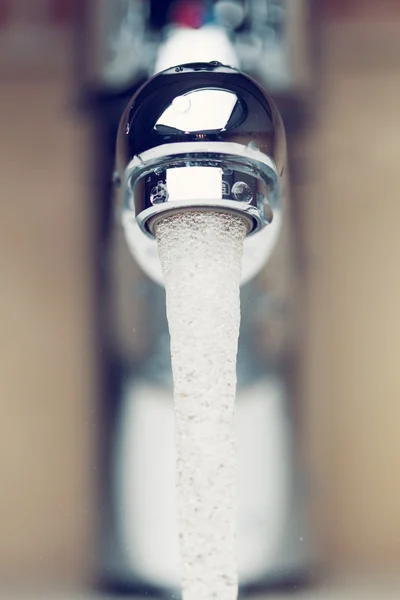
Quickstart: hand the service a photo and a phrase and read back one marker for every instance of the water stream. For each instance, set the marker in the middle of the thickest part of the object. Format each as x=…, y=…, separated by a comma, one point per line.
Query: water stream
x=201, y=259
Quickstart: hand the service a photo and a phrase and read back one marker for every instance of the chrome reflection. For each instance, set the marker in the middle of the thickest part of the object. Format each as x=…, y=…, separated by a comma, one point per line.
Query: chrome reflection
x=200, y=110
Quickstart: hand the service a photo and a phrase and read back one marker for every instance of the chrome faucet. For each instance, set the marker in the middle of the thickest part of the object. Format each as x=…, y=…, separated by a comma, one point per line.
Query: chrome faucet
x=200, y=133
x=201, y=136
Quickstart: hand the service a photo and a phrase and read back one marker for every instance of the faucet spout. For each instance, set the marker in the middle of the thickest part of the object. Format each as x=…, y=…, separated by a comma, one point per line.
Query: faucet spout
x=204, y=137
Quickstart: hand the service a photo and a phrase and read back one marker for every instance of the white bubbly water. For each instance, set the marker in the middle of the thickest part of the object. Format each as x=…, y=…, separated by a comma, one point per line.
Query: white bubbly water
x=201, y=259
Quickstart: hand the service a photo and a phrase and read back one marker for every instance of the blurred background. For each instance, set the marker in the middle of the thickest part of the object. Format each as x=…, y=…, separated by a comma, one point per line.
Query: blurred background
x=348, y=212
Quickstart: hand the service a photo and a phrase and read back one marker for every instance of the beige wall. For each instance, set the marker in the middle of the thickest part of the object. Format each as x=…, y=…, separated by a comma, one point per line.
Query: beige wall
x=351, y=218
x=352, y=380
x=46, y=410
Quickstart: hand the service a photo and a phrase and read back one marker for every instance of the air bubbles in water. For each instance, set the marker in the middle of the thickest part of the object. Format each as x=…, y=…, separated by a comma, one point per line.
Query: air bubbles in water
x=201, y=258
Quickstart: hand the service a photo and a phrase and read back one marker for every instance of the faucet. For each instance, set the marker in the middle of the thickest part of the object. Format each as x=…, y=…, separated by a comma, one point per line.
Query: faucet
x=199, y=132
x=201, y=136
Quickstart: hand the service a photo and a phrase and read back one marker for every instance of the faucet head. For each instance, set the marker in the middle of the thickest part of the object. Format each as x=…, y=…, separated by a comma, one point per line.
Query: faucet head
x=200, y=136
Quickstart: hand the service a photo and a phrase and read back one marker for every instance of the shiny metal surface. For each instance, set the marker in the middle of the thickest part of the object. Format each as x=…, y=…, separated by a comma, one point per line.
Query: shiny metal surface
x=201, y=136
x=222, y=177
x=220, y=104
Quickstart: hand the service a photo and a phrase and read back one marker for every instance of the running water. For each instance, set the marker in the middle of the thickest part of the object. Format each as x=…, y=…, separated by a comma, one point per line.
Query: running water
x=201, y=259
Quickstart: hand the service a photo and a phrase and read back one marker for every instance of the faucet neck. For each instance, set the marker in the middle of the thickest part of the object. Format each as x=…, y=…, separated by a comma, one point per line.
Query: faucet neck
x=185, y=44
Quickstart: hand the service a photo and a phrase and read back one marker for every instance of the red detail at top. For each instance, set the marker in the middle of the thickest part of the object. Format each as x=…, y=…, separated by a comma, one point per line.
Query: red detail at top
x=188, y=14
